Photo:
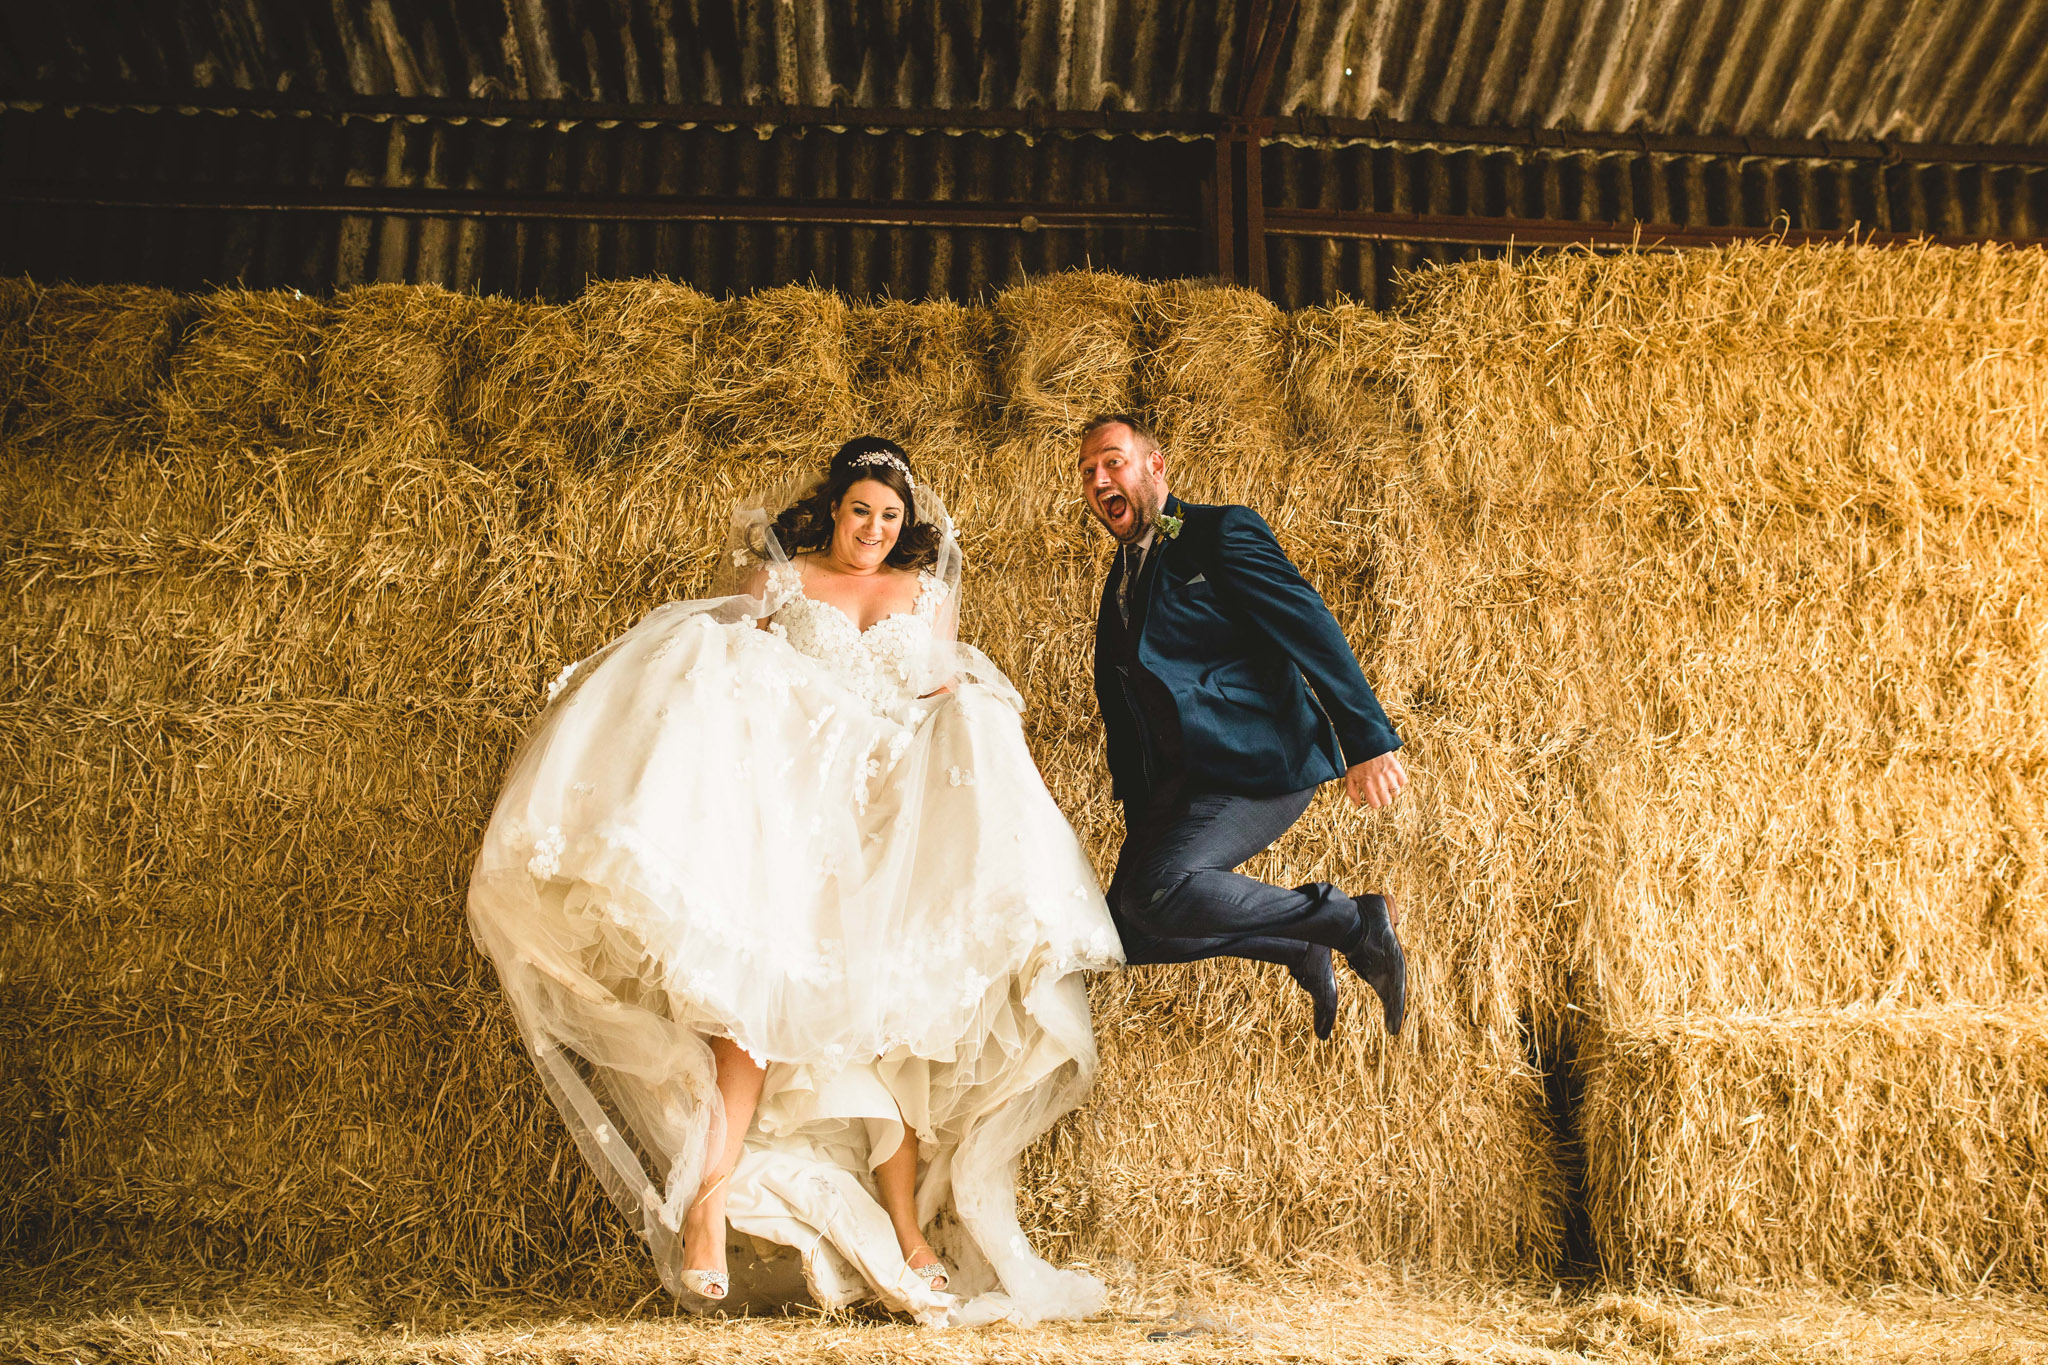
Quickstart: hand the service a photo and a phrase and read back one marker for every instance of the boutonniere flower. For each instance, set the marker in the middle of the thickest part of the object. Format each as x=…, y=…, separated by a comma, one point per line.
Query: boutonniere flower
x=1168, y=525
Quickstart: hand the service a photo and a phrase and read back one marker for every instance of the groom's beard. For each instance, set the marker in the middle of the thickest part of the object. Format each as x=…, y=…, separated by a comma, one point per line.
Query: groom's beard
x=1145, y=507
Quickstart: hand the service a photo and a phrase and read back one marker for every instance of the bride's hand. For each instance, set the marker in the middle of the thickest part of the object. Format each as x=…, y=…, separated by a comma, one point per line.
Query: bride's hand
x=936, y=692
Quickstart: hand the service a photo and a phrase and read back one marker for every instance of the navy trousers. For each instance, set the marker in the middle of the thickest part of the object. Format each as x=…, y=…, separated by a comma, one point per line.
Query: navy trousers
x=1177, y=896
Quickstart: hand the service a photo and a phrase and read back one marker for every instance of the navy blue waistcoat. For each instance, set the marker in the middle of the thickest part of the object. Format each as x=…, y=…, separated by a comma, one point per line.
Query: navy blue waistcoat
x=1267, y=694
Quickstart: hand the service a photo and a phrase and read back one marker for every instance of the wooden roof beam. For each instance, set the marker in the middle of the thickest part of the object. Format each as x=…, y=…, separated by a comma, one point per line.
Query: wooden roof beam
x=1236, y=196
x=1314, y=129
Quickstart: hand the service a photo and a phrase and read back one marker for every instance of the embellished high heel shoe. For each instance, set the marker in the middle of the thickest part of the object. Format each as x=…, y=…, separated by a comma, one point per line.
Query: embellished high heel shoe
x=935, y=1275
x=708, y=1284
x=713, y=1285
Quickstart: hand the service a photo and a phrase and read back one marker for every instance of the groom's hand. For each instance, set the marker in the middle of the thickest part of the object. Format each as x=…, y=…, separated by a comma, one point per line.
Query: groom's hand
x=1375, y=782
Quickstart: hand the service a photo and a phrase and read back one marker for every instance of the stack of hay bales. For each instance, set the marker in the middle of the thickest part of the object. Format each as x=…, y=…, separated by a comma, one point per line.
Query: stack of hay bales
x=291, y=576
x=1221, y=1129
x=266, y=620
x=1703, y=588
x=1746, y=550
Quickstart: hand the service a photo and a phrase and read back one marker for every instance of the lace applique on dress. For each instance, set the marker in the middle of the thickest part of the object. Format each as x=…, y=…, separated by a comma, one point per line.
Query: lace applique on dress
x=888, y=665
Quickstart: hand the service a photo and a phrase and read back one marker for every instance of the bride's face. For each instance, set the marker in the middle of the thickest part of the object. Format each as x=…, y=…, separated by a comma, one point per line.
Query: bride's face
x=866, y=523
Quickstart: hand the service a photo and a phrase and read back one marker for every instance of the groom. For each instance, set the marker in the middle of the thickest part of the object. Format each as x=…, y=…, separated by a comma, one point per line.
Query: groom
x=1208, y=645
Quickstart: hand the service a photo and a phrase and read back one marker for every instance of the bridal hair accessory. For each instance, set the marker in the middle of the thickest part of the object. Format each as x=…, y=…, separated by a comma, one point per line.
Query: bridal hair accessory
x=883, y=457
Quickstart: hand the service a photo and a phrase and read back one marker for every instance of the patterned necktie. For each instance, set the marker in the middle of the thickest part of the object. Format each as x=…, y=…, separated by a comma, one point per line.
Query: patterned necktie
x=1133, y=565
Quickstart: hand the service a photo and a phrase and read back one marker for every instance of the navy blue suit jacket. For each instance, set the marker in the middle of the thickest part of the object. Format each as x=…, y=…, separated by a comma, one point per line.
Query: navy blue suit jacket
x=1269, y=697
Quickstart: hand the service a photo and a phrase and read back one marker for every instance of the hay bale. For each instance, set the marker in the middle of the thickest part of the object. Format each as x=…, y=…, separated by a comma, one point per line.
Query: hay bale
x=667, y=371
x=925, y=375
x=1213, y=383
x=245, y=1126
x=1068, y=347
x=1867, y=1145
x=376, y=547
x=306, y=567
x=1726, y=552
x=95, y=358
x=19, y=296
x=1472, y=846
x=520, y=396
x=391, y=368
x=1751, y=284
x=655, y=528
x=314, y=1073
x=295, y=787
x=300, y=595
x=643, y=349
x=1745, y=576
x=990, y=400
x=245, y=373
x=1370, y=1154
x=1568, y=374
x=1341, y=388
x=83, y=369
x=237, y=391
x=777, y=373
x=1220, y=1130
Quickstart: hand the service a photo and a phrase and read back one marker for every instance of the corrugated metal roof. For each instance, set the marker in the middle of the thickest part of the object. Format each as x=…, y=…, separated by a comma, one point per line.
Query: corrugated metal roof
x=1909, y=71
x=1954, y=71
x=1921, y=70
x=189, y=248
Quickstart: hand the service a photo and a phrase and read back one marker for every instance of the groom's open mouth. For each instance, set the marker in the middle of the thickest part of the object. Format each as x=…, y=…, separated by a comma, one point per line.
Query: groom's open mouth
x=1116, y=508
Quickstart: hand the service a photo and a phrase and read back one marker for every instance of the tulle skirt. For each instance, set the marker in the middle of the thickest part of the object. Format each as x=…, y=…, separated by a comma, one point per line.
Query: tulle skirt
x=707, y=835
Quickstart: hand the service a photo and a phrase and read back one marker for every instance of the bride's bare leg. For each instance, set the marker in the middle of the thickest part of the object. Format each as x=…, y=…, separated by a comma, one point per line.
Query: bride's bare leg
x=739, y=1084
x=896, y=1178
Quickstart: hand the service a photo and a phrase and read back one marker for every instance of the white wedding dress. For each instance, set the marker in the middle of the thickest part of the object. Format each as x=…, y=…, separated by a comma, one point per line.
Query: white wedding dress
x=716, y=829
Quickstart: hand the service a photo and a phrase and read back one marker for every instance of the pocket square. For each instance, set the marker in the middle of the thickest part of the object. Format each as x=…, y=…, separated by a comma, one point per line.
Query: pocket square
x=1198, y=578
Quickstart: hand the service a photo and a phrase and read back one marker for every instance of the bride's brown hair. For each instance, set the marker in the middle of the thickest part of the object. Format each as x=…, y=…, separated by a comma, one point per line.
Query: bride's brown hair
x=806, y=524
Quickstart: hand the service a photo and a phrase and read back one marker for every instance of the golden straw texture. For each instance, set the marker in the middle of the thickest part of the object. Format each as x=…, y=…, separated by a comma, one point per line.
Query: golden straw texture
x=1860, y=1145
x=1705, y=589
x=1743, y=552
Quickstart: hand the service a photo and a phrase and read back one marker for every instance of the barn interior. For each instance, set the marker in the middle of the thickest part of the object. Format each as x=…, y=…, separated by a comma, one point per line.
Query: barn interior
x=942, y=150
x=1654, y=390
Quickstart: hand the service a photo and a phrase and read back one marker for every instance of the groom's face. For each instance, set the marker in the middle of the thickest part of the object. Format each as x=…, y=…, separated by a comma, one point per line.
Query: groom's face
x=1123, y=476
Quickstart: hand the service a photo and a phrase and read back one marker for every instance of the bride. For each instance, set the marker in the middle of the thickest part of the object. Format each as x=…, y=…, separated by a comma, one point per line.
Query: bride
x=792, y=927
